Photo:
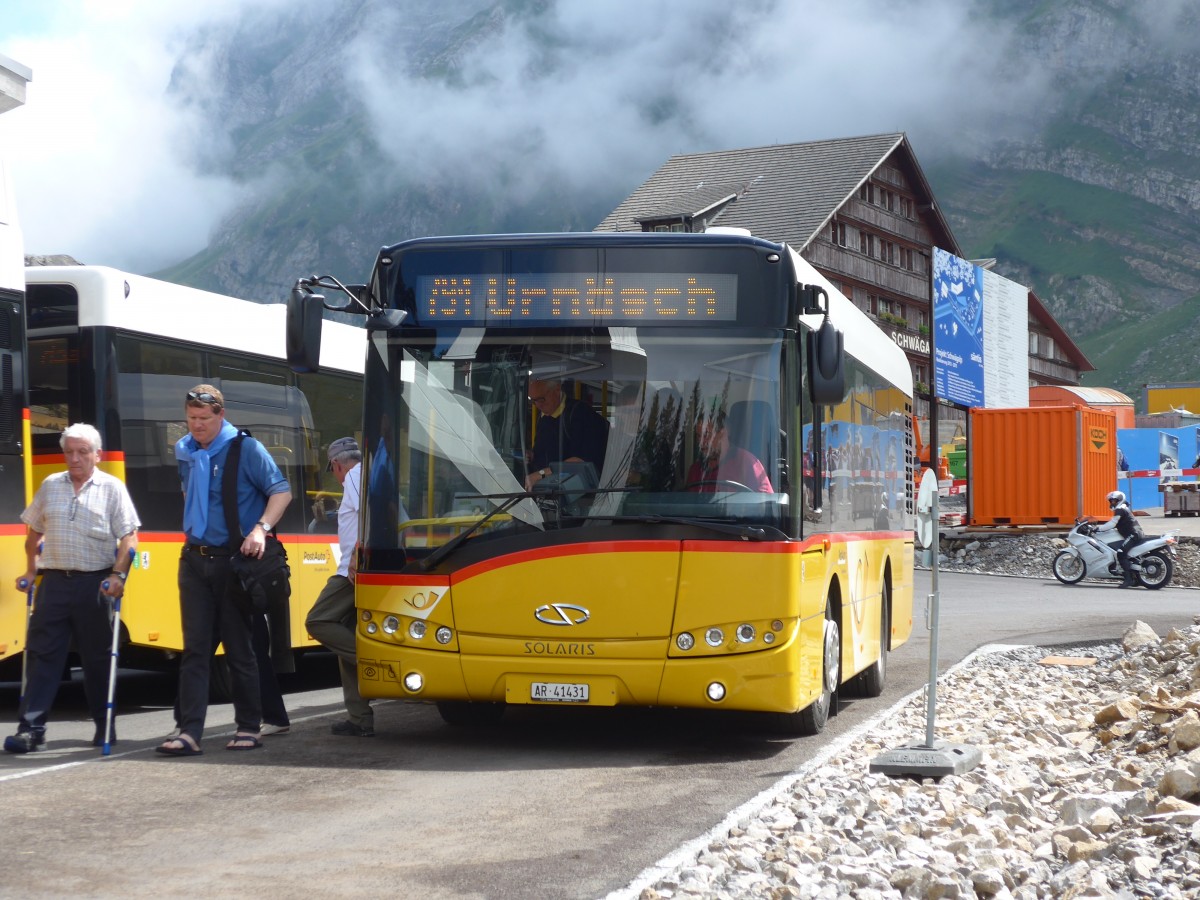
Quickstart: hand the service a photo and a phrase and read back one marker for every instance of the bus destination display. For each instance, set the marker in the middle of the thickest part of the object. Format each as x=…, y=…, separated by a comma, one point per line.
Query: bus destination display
x=560, y=298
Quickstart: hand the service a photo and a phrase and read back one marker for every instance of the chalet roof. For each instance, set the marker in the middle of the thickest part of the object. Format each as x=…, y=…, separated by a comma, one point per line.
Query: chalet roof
x=1038, y=310
x=784, y=192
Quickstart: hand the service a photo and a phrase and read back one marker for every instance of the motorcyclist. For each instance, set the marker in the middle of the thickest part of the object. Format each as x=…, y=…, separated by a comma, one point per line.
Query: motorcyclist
x=1127, y=526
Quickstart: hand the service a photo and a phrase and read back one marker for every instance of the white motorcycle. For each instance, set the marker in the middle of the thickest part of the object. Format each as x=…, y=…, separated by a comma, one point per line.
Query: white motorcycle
x=1088, y=556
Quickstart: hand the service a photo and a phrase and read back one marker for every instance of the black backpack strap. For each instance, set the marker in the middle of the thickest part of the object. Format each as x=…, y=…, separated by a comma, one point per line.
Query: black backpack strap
x=229, y=490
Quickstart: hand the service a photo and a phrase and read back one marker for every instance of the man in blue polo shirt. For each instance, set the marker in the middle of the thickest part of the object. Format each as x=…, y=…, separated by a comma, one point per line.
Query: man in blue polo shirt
x=209, y=596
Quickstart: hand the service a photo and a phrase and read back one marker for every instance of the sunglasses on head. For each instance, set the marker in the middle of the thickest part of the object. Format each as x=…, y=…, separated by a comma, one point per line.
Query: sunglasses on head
x=203, y=397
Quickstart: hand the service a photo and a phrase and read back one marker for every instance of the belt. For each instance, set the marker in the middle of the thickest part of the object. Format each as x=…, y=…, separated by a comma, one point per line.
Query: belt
x=206, y=550
x=76, y=573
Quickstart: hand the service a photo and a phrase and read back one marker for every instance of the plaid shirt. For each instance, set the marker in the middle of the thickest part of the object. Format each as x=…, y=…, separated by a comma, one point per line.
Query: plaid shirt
x=81, y=531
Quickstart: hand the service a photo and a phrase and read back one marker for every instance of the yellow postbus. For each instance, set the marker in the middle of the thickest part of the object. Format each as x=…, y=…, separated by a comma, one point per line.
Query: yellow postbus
x=648, y=575
x=14, y=430
x=120, y=351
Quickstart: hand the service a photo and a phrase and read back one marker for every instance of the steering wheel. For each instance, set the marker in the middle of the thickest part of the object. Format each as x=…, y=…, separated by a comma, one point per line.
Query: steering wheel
x=736, y=485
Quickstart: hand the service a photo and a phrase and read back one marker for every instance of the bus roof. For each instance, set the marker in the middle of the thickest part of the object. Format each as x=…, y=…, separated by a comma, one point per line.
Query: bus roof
x=864, y=339
x=134, y=303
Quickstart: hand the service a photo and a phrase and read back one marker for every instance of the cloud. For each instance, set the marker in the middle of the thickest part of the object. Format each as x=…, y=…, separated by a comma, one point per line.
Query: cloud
x=99, y=155
x=603, y=91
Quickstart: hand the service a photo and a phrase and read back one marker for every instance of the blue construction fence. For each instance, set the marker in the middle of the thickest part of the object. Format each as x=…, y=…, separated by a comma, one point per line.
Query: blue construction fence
x=1145, y=456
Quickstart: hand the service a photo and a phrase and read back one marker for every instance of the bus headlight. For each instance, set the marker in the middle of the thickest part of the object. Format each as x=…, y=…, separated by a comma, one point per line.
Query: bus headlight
x=413, y=682
x=685, y=641
x=372, y=628
x=416, y=629
x=714, y=637
x=443, y=635
x=390, y=624
x=745, y=633
x=365, y=615
x=715, y=692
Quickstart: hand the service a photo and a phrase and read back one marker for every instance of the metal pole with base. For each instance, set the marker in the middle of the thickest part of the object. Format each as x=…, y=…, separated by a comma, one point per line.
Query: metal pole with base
x=933, y=758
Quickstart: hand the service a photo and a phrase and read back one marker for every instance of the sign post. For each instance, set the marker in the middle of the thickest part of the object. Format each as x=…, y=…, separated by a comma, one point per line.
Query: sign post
x=931, y=758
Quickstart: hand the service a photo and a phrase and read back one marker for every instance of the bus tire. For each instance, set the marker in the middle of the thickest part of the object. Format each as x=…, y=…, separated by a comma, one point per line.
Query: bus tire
x=870, y=681
x=811, y=720
x=470, y=715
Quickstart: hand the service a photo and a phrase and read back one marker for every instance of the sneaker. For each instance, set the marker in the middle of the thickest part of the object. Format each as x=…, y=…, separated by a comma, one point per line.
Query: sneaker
x=349, y=729
x=273, y=729
x=25, y=741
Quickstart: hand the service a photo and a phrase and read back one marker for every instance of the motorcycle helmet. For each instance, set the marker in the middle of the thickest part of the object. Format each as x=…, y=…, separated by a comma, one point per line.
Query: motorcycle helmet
x=1115, y=499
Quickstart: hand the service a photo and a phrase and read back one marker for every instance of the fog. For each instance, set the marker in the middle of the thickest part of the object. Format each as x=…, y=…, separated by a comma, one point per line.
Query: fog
x=110, y=166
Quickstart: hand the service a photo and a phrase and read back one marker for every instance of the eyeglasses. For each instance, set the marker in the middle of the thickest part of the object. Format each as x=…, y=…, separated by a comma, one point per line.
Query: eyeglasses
x=203, y=397
x=541, y=399
x=74, y=509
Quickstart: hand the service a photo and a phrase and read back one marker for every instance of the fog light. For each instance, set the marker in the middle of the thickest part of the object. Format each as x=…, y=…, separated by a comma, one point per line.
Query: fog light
x=745, y=633
x=390, y=624
x=715, y=692
x=768, y=638
x=372, y=628
x=413, y=682
x=365, y=615
x=443, y=635
x=685, y=641
x=416, y=629
x=714, y=637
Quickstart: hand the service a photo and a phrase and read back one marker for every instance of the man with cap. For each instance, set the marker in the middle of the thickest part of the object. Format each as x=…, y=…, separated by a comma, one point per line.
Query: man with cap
x=331, y=620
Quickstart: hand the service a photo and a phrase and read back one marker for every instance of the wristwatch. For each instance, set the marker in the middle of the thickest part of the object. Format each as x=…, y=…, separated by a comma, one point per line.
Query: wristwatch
x=544, y=473
x=264, y=525
x=121, y=575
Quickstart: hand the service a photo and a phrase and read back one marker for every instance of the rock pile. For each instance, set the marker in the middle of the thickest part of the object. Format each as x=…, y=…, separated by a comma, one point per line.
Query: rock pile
x=1088, y=787
x=1031, y=556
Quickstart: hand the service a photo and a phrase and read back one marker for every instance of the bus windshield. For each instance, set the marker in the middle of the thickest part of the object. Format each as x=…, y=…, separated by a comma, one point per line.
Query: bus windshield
x=684, y=425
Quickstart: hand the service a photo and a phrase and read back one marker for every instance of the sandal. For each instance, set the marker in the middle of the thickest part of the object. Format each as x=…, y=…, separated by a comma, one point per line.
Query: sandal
x=183, y=745
x=244, y=742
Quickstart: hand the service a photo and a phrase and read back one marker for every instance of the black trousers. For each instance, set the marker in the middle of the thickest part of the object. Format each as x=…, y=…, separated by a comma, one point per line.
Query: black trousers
x=212, y=601
x=66, y=607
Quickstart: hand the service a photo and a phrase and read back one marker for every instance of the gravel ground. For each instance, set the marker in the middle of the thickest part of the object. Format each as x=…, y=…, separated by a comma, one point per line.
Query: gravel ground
x=1087, y=787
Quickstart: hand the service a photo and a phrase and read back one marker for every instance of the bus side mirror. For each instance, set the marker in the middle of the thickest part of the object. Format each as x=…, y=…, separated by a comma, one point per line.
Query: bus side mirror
x=826, y=365
x=303, y=333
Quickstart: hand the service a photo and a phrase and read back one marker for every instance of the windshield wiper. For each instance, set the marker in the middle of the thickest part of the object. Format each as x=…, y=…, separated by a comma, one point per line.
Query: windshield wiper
x=745, y=532
x=457, y=541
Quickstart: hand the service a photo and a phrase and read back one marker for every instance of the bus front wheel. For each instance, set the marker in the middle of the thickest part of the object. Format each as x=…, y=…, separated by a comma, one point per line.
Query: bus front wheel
x=811, y=720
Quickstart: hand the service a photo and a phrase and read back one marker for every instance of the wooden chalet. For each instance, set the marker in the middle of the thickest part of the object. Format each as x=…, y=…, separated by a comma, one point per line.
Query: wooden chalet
x=858, y=209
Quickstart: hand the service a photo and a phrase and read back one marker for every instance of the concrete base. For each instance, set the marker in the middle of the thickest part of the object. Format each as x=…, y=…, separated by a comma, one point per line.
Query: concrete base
x=919, y=760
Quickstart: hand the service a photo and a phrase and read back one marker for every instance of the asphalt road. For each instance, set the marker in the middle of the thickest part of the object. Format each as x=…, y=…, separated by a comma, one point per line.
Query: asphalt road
x=550, y=803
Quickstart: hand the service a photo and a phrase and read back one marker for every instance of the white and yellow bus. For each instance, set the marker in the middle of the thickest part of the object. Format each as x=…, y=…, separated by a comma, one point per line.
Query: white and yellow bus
x=627, y=580
x=121, y=351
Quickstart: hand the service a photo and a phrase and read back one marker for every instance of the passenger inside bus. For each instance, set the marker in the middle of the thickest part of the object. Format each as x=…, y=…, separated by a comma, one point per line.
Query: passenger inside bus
x=721, y=465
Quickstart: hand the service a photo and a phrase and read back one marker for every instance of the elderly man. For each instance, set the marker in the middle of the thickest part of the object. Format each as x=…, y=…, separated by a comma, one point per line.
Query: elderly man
x=568, y=430
x=331, y=621
x=86, y=525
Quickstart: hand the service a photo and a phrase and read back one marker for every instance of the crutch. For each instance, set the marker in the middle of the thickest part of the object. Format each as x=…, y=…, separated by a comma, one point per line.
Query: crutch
x=27, y=585
x=112, y=671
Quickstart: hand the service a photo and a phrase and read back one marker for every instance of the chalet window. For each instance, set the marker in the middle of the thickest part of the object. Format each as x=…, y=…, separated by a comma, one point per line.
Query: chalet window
x=866, y=243
x=891, y=201
x=837, y=233
x=1033, y=344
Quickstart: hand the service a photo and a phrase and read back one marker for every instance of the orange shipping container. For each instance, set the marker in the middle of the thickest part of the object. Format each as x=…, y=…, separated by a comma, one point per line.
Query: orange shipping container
x=1040, y=466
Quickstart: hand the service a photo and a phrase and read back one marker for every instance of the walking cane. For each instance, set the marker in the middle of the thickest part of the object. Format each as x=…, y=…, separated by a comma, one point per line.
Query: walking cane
x=112, y=671
x=25, y=584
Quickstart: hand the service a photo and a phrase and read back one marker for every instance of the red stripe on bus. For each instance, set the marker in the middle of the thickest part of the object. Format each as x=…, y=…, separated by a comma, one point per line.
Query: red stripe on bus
x=56, y=459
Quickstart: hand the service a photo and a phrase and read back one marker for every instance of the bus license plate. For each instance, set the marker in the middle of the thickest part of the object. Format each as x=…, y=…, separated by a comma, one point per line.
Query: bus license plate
x=558, y=692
